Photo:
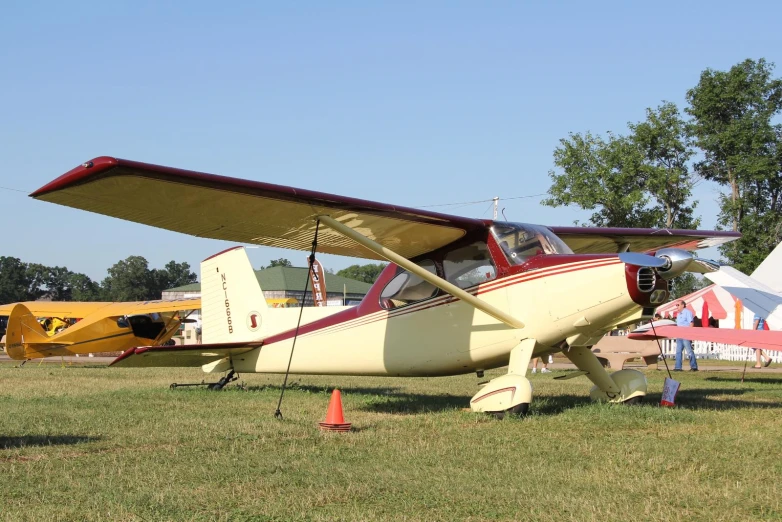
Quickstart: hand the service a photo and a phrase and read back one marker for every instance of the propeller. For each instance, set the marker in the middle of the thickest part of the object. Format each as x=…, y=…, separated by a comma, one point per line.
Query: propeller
x=678, y=261
x=638, y=259
x=670, y=262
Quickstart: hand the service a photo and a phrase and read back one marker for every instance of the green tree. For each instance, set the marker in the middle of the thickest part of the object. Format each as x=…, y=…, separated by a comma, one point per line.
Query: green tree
x=639, y=180
x=685, y=284
x=276, y=262
x=83, y=288
x=130, y=280
x=732, y=112
x=367, y=273
x=173, y=275
x=666, y=148
x=15, y=281
x=601, y=175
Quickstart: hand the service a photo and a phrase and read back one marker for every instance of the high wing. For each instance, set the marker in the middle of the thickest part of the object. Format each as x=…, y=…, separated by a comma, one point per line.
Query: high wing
x=57, y=308
x=765, y=339
x=107, y=309
x=195, y=355
x=148, y=307
x=596, y=240
x=218, y=207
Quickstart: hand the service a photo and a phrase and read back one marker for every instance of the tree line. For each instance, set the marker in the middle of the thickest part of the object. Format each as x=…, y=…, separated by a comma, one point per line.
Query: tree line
x=644, y=178
x=367, y=273
x=127, y=280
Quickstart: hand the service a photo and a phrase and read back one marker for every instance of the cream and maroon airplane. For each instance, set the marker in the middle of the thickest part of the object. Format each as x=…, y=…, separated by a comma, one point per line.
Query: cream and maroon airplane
x=460, y=295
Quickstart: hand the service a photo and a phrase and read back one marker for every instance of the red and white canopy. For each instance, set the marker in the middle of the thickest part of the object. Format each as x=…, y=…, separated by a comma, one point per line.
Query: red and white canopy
x=720, y=302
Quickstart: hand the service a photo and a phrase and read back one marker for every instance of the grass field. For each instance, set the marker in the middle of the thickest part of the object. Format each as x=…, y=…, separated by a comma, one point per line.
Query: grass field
x=93, y=443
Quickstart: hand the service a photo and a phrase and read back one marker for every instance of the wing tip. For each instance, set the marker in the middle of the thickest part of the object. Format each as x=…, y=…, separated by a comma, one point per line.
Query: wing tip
x=78, y=174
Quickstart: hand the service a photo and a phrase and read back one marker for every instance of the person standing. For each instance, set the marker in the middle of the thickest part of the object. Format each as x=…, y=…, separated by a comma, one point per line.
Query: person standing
x=684, y=318
x=543, y=360
x=759, y=324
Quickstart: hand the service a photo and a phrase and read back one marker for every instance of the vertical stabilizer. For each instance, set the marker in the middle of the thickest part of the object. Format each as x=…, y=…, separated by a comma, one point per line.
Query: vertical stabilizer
x=232, y=302
x=233, y=308
x=769, y=273
x=23, y=329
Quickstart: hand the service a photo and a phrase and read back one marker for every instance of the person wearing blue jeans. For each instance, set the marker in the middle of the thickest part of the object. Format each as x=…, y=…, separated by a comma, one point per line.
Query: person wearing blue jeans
x=684, y=318
x=759, y=324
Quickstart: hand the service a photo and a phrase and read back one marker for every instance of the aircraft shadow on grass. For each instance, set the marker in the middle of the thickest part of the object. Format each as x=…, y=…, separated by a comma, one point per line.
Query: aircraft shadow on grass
x=703, y=399
x=394, y=400
x=752, y=379
x=43, y=440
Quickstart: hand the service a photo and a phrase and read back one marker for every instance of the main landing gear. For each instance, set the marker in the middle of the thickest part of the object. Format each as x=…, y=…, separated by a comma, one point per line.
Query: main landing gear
x=624, y=386
x=230, y=377
x=509, y=394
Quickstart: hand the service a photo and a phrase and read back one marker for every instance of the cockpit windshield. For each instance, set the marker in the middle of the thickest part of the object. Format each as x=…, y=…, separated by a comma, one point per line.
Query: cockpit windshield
x=520, y=242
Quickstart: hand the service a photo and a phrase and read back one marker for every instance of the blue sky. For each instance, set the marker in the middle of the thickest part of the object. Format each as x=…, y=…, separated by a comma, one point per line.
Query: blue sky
x=407, y=103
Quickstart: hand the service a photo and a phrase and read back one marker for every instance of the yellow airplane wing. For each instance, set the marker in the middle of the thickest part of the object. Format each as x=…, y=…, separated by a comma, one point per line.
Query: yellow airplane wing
x=148, y=307
x=231, y=209
x=190, y=355
x=57, y=308
x=107, y=309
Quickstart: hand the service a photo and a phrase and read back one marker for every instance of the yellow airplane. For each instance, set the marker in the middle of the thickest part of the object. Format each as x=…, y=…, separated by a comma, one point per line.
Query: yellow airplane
x=101, y=327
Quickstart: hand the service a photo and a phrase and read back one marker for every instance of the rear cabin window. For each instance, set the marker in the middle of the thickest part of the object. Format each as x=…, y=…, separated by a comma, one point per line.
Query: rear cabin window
x=469, y=265
x=407, y=288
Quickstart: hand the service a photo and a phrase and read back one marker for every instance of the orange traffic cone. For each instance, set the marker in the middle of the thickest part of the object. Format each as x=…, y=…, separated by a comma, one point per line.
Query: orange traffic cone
x=335, y=421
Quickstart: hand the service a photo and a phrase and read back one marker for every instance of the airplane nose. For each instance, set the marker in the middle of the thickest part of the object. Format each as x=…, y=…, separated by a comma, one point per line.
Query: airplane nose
x=644, y=285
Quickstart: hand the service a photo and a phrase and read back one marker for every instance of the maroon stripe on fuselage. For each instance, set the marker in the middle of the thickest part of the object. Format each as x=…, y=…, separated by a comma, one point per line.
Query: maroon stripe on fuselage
x=366, y=308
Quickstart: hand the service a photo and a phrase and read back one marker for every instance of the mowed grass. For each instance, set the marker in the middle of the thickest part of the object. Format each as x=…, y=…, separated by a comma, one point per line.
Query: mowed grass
x=96, y=443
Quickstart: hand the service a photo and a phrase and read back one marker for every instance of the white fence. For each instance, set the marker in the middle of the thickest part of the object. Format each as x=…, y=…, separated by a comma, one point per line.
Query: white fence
x=721, y=351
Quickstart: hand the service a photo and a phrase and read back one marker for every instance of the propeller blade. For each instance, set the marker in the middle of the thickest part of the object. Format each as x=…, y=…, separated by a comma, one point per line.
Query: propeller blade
x=703, y=266
x=638, y=259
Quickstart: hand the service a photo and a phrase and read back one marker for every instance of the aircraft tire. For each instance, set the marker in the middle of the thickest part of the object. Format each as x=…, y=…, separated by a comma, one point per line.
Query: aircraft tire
x=520, y=410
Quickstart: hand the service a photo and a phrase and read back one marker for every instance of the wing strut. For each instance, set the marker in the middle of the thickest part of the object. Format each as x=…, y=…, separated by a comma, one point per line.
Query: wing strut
x=408, y=265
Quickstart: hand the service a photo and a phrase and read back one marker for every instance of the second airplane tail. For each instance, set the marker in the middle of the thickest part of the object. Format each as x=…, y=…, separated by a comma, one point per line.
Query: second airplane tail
x=23, y=329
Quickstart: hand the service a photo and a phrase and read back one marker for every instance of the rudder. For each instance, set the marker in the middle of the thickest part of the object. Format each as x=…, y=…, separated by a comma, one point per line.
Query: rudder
x=23, y=329
x=232, y=302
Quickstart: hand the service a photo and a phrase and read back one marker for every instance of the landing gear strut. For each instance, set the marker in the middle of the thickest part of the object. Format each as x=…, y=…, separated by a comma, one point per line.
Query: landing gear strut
x=214, y=386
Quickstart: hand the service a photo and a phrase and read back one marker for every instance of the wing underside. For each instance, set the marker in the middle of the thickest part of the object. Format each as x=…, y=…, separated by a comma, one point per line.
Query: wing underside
x=595, y=240
x=237, y=210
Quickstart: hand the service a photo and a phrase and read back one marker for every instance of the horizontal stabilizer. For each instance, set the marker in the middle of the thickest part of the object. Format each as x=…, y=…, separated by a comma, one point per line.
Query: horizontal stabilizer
x=190, y=355
x=765, y=339
x=759, y=298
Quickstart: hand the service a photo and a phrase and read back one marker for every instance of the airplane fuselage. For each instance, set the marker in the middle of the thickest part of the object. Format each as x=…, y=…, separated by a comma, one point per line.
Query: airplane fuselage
x=561, y=297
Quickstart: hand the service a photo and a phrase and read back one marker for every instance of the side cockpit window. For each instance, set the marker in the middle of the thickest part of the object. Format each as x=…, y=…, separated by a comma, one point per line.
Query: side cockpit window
x=407, y=288
x=469, y=265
